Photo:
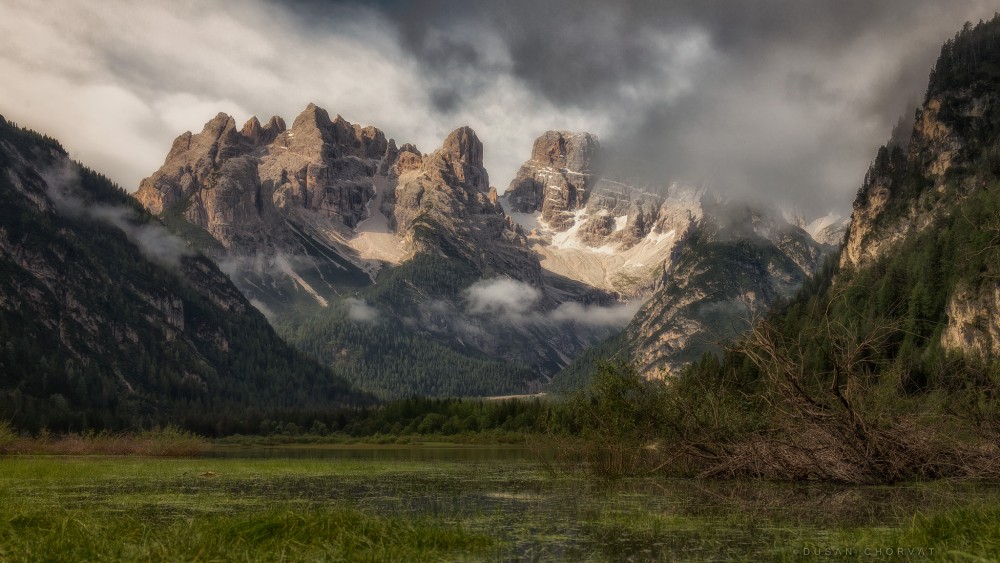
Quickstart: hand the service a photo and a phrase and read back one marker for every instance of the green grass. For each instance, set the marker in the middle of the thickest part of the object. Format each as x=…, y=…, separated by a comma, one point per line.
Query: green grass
x=104, y=508
x=969, y=533
x=958, y=534
x=30, y=534
x=126, y=509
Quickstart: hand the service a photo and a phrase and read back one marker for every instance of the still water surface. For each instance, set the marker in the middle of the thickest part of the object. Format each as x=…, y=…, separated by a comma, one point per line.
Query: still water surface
x=455, y=453
x=505, y=492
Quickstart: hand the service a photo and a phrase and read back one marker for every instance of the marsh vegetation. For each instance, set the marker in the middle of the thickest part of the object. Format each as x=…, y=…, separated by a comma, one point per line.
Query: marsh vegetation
x=159, y=442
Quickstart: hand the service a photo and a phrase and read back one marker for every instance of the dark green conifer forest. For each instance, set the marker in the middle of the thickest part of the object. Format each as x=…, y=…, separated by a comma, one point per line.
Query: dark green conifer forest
x=82, y=341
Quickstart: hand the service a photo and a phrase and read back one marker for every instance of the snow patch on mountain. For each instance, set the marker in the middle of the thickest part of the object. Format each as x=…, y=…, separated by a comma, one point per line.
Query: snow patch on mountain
x=642, y=233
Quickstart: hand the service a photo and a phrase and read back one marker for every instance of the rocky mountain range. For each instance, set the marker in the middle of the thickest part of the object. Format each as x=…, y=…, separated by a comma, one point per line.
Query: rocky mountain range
x=320, y=207
x=325, y=219
x=917, y=254
x=265, y=267
x=699, y=266
x=588, y=226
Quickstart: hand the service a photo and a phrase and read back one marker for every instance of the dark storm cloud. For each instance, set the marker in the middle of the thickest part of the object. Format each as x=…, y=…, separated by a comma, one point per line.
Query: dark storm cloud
x=577, y=51
x=826, y=80
x=571, y=52
x=782, y=101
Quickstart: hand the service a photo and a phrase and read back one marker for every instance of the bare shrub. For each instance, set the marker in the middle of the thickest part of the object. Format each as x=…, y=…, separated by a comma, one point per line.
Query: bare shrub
x=848, y=422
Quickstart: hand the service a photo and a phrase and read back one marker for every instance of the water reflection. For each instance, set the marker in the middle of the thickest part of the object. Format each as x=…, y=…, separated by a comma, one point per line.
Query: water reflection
x=444, y=452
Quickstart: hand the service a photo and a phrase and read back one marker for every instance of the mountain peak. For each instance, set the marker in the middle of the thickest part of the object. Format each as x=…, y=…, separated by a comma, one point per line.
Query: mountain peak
x=276, y=124
x=566, y=149
x=219, y=123
x=464, y=146
x=313, y=116
x=558, y=177
x=252, y=129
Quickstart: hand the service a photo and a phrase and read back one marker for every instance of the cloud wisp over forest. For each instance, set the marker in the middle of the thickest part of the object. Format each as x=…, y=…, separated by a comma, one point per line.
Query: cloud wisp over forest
x=785, y=101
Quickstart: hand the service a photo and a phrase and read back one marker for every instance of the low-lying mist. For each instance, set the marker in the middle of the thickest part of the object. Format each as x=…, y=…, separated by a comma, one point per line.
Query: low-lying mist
x=153, y=239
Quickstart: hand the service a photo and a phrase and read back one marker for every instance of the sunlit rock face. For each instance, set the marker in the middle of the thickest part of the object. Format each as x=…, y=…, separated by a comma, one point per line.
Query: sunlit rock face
x=298, y=212
x=443, y=199
x=235, y=182
x=558, y=177
x=883, y=216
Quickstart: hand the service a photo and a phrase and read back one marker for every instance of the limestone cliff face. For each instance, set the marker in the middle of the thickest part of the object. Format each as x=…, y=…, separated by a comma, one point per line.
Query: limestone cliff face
x=324, y=204
x=973, y=321
x=443, y=200
x=944, y=178
x=591, y=226
x=275, y=206
x=625, y=215
x=557, y=179
x=193, y=157
x=241, y=185
x=884, y=212
x=323, y=166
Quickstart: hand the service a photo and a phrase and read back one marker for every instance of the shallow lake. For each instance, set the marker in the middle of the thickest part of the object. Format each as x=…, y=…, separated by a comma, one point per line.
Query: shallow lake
x=379, y=452
x=505, y=491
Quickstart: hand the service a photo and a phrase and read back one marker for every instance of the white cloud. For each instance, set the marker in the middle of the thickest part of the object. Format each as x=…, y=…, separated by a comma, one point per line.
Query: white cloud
x=117, y=81
x=518, y=302
x=358, y=310
x=501, y=296
x=595, y=315
x=153, y=239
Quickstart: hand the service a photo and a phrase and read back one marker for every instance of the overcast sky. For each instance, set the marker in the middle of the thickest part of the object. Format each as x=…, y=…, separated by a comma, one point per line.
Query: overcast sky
x=786, y=101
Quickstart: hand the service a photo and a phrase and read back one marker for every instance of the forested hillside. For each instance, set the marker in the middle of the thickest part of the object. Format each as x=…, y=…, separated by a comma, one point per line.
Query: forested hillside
x=107, y=321
x=925, y=240
x=392, y=360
